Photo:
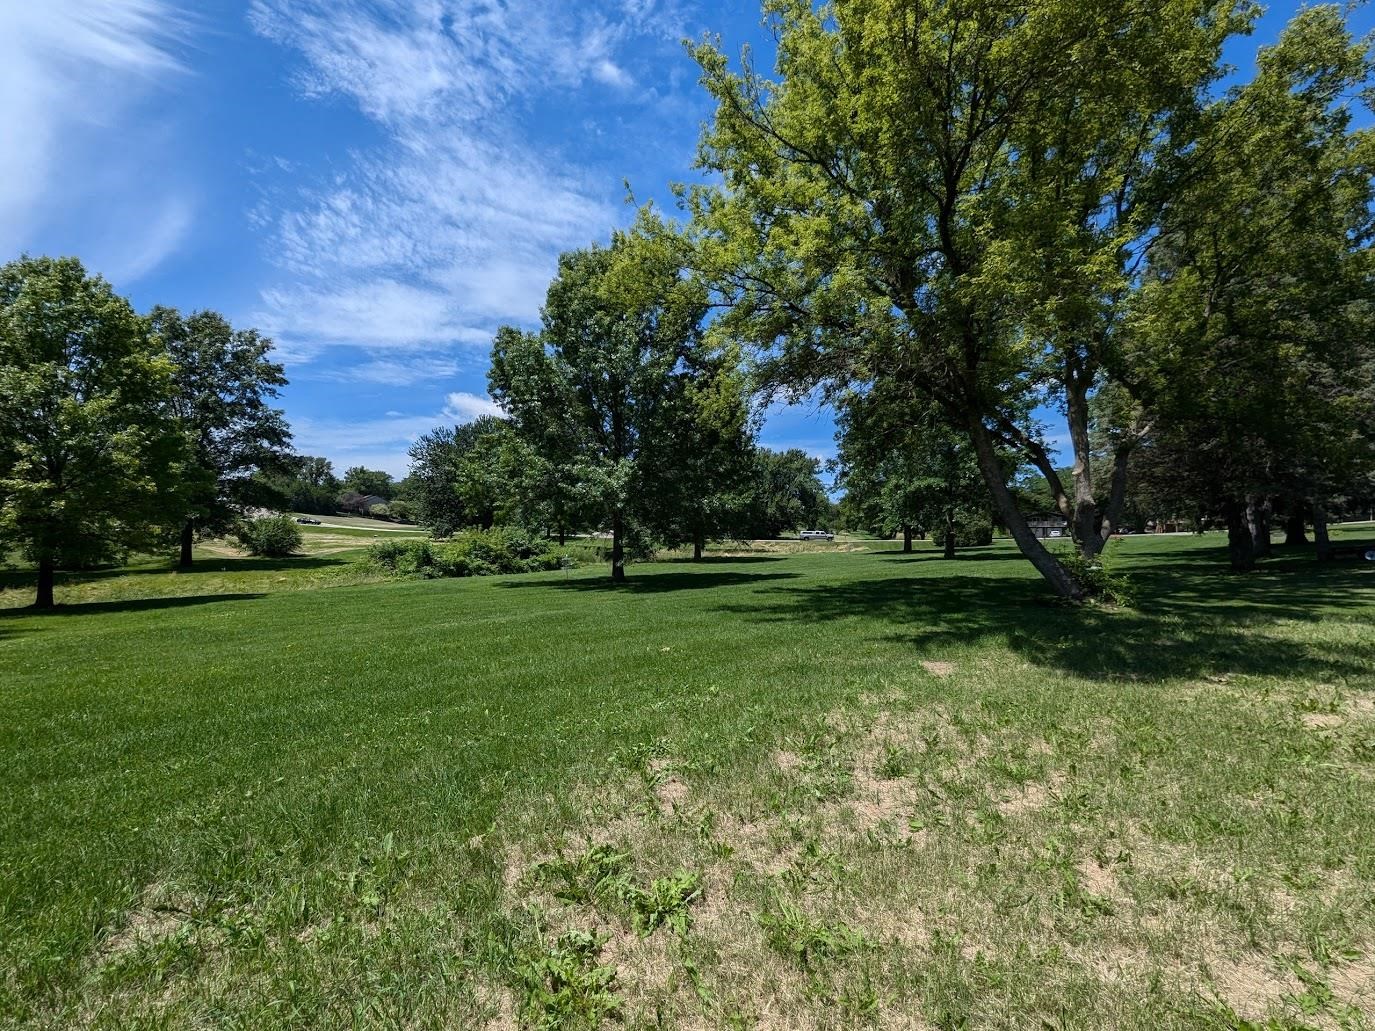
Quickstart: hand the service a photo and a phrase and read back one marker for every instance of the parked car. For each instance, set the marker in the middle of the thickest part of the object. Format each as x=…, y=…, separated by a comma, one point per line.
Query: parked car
x=307, y=519
x=816, y=535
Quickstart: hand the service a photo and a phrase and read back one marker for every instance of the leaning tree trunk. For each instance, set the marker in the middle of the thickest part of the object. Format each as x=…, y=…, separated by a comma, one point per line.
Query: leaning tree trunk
x=949, y=551
x=1027, y=542
x=1241, y=542
x=188, y=536
x=907, y=538
x=1320, y=538
x=1258, y=520
x=617, y=548
x=44, y=598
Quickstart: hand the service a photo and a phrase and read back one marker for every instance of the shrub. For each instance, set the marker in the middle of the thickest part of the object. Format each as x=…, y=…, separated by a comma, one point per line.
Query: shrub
x=1099, y=578
x=973, y=535
x=409, y=558
x=269, y=537
x=471, y=553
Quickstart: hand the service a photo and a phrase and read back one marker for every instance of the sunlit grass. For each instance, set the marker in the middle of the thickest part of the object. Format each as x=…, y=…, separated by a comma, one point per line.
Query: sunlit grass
x=848, y=788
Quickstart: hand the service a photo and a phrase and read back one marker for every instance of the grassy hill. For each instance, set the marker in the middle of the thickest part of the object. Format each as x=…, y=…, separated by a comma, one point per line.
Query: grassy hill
x=824, y=789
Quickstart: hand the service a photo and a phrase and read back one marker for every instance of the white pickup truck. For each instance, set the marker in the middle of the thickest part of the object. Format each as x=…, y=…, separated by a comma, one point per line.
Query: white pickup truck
x=816, y=535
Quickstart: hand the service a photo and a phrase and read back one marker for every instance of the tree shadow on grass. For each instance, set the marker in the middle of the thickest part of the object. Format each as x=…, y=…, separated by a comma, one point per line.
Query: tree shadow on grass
x=721, y=560
x=1187, y=625
x=36, y=619
x=652, y=583
x=18, y=579
x=962, y=555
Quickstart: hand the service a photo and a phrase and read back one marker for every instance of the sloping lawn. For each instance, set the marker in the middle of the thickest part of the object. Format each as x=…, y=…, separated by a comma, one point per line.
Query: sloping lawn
x=829, y=790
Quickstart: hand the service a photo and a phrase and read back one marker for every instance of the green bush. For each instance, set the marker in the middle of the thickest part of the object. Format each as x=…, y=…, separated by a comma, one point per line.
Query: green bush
x=408, y=558
x=973, y=534
x=471, y=553
x=1099, y=578
x=269, y=537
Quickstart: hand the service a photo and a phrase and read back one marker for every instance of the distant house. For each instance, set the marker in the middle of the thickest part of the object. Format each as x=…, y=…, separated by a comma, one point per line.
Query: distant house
x=1046, y=525
x=362, y=504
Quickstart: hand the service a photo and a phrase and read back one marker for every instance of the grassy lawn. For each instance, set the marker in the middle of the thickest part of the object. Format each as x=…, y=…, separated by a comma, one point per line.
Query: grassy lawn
x=838, y=788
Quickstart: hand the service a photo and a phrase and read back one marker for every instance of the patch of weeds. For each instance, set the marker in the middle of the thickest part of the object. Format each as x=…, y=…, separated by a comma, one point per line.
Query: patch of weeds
x=828, y=769
x=1363, y=749
x=860, y=1001
x=665, y=903
x=1328, y=951
x=1219, y=1013
x=814, y=865
x=566, y=986
x=1318, y=701
x=601, y=877
x=1070, y=893
x=895, y=764
x=1318, y=1000
x=378, y=871
x=706, y=836
x=793, y=933
x=638, y=758
x=596, y=877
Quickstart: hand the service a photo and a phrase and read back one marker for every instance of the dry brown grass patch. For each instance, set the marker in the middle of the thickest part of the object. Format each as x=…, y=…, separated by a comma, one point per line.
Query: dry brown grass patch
x=144, y=927
x=1031, y=797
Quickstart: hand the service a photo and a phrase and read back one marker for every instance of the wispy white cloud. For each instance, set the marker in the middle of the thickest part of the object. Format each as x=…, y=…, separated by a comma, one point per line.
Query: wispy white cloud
x=383, y=443
x=453, y=225
x=464, y=407
x=389, y=372
x=73, y=167
x=368, y=313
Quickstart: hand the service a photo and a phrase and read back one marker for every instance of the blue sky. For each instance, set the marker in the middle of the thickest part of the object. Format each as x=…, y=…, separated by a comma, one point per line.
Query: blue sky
x=377, y=185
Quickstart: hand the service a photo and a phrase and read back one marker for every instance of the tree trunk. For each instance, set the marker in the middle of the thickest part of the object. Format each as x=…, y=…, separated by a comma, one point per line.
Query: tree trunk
x=1241, y=542
x=907, y=539
x=949, y=535
x=617, y=548
x=1258, y=520
x=698, y=543
x=1320, y=538
x=1030, y=545
x=1086, y=523
x=188, y=536
x=562, y=536
x=44, y=598
x=1295, y=526
x=1117, y=496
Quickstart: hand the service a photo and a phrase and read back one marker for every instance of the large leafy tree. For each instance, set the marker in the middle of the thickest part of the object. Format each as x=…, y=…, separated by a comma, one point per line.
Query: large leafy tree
x=460, y=476
x=706, y=482
x=1252, y=342
x=365, y=481
x=89, y=445
x=223, y=385
x=951, y=196
x=303, y=483
x=607, y=376
x=787, y=493
x=913, y=479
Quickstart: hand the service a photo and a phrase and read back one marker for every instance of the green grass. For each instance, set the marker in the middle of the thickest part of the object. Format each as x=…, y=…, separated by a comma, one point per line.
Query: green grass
x=841, y=789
